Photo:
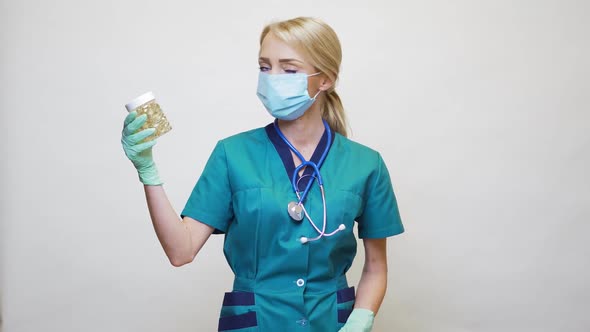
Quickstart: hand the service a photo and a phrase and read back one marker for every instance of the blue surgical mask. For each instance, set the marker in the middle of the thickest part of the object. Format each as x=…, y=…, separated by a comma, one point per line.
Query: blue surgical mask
x=285, y=95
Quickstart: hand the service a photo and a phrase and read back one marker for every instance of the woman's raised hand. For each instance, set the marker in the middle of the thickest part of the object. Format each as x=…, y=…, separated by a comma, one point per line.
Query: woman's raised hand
x=140, y=153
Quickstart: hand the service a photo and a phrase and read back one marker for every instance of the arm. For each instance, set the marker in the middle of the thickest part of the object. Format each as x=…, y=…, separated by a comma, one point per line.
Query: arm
x=371, y=288
x=380, y=219
x=373, y=283
x=180, y=239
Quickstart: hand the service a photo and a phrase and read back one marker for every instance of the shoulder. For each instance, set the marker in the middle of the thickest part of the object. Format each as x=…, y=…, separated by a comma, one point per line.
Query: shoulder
x=238, y=147
x=251, y=139
x=245, y=137
x=367, y=162
x=356, y=150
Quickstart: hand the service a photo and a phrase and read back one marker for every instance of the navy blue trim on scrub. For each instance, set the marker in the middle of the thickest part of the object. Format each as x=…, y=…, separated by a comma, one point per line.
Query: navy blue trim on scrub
x=343, y=315
x=238, y=298
x=285, y=154
x=238, y=322
x=345, y=295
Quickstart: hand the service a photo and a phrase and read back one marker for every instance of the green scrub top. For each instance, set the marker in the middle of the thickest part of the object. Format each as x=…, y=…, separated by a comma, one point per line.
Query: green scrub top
x=281, y=284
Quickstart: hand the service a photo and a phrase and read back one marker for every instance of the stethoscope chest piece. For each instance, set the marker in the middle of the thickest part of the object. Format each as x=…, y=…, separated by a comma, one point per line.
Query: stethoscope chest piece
x=295, y=211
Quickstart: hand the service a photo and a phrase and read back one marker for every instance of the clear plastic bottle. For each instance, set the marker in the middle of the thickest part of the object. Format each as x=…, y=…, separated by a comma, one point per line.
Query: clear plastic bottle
x=146, y=104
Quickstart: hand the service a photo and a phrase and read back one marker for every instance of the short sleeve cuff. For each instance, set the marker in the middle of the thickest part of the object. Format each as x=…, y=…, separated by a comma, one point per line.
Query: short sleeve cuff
x=381, y=233
x=208, y=219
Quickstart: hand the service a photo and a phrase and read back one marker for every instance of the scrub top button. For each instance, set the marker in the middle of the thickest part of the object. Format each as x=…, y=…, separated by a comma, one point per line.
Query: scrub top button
x=300, y=282
x=302, y=322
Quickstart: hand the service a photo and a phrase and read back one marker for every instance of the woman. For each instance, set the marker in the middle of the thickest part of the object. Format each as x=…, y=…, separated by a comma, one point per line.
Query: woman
x=288, y=226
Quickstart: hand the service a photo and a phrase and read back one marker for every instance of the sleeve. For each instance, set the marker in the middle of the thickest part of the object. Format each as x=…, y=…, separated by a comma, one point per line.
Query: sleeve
x=380, y=217
x=210, y=200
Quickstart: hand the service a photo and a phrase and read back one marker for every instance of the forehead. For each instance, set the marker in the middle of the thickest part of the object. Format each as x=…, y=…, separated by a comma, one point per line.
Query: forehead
x=274, y=48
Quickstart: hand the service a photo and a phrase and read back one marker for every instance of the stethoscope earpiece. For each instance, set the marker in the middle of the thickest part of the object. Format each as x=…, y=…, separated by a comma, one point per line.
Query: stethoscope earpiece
x=305, y=240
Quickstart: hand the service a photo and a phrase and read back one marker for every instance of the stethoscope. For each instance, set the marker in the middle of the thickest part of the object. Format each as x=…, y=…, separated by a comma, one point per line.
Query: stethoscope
x=297, y=210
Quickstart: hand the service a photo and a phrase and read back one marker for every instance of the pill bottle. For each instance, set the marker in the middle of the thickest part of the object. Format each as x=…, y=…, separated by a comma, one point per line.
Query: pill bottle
x=146, y=104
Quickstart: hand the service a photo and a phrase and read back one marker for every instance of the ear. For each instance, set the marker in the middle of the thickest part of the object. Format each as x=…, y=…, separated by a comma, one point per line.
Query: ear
x=326, y=83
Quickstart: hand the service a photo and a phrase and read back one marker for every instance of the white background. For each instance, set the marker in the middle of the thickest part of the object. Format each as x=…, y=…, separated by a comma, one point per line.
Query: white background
x=480, y=109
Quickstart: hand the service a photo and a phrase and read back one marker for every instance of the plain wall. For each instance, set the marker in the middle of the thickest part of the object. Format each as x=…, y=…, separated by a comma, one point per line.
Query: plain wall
x=479, y=108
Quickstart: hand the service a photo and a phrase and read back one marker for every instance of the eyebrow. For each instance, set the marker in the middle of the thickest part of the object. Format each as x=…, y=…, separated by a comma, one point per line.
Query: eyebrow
x=281, y=60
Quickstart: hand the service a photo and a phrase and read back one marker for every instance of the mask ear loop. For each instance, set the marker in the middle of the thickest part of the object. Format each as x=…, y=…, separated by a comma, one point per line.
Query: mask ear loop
x=314, y=97
x=314, y=74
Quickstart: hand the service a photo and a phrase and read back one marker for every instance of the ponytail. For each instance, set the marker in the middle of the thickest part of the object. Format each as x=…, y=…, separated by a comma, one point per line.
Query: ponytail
x=333, y=112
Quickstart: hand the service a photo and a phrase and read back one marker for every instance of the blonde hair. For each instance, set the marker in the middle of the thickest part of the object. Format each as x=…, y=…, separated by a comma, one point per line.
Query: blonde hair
x=321, y=45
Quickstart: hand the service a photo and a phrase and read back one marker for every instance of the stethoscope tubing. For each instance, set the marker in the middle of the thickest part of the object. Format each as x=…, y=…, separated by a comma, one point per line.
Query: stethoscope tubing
x=316, y=167
x=314, y=175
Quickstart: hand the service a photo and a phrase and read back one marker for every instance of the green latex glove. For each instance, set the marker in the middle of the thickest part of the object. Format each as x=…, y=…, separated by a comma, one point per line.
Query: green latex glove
x=360, y=320
x=139, y=153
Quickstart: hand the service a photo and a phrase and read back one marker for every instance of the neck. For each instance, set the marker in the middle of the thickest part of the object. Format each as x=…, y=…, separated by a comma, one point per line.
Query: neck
x=305, y=131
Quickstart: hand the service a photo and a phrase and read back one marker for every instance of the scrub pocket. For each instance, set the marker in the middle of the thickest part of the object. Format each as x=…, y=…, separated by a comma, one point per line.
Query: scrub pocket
x=344, y=302
x=238, y=312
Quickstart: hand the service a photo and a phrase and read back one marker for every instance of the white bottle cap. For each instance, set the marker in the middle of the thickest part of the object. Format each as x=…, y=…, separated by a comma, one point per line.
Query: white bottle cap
x=144, y=98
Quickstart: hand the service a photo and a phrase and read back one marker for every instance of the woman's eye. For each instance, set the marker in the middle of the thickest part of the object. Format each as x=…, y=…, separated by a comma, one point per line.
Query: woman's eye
x=263, y=68
x=290, y=71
